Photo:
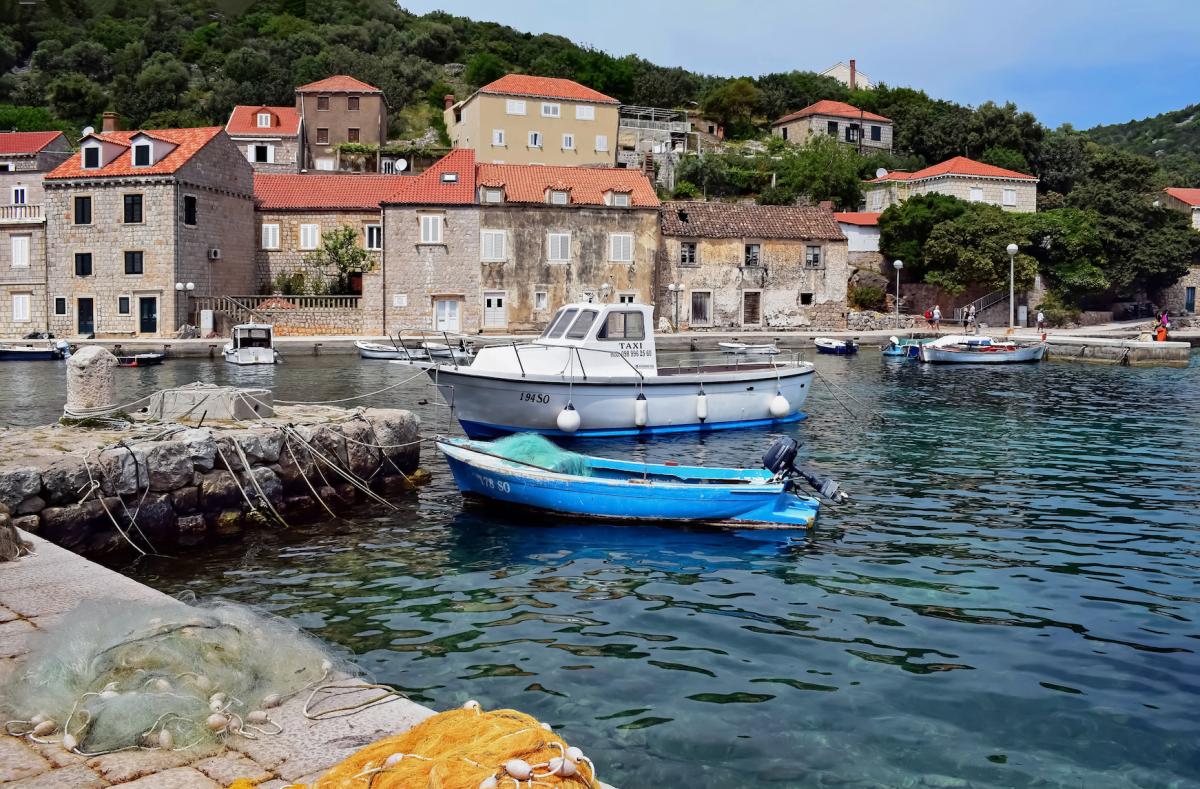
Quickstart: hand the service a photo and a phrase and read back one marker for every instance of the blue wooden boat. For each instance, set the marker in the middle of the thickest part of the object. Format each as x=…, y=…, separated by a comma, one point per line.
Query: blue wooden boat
x=592, y=487
x=904, y=349
x=11, y=352
x=835, y=347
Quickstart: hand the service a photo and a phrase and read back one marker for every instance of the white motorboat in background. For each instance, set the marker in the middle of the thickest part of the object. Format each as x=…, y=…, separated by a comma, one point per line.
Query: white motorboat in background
x=377, y=350
x=975, y=349
x=760, y=349
x=251, y=343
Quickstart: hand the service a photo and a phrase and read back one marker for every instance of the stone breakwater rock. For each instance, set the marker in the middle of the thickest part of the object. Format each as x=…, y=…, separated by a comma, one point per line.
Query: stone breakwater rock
x=219, y=491
x=269, y=483
x=18, y=484
x=398, y=432
x=123, y=470
x=90, y=379
x=64, y=480
x=169, y=464
x=82, y=527
x=10, y=542
x=260, y=446
x=361, y=449
x=201, y=446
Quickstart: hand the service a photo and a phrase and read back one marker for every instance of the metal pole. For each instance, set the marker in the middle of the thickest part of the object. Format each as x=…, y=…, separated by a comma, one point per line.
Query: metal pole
x=1012, y=300
x=897, y=299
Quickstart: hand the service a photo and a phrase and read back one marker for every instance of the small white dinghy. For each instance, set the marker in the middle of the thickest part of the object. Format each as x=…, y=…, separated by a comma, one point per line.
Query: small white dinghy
x=762, y=349
x=251, y=343
x=376, y=350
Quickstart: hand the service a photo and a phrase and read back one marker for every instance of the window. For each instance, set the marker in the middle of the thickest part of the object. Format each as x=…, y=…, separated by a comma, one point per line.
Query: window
x=133, y=263
x=141, y=155
x=701, y=308
x=559, y=197
x=6, y=167
x=264, y=154
x=324, y=162
x=83, y=264
x=832, y=128
x=449, y=178
x=551, y=110
x=492, y=244
x=751, y=308
x=582, y=325
x=1010, y=197
x=91, y=157
x=122, y=305
x=431, y=229
x=21, y=307
x=535, y=139
x=498, y=137
x=976, y=194
x=60, y=305
x=752, y=258
x=584, y=113
x=541, y=300
x=812, y=257
x=493, y=195
x=601, y=143
x=620, y=247
x=851, y=132
x=623, y=325
x=374, y=236
x=568, y=142
x=626, y=298
x=877, y=200
x=309, y=236
x=687, y=253
x=83, y=210
x=18, y=195
x=559, y=247
x=322, y=136
x=783, y=132
x=270, y=236
x=352, y=134
x=20, y=251
x=876, y=133
x=559, y=324
x=515, y=107
x=352, y=103
x=620, y=199
x=322, y=103
x=806, y=299
x=264, y=120
x=189, y=210
x=133, y=209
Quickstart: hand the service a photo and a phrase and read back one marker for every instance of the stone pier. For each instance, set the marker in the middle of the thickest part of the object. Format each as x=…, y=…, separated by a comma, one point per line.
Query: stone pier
x=1106, y=350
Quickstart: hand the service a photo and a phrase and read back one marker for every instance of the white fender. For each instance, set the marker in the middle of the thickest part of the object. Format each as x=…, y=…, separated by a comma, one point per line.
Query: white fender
x=780, y=407
x=702, y=406
x=641, y=410
x=568, y=419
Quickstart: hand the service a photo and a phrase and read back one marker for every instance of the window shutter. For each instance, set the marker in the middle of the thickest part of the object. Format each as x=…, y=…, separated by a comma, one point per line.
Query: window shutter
x=20, y=251
x=20, y=310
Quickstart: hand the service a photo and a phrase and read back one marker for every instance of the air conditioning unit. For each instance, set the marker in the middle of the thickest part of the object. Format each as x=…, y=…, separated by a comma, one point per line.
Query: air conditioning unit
x=214, y=253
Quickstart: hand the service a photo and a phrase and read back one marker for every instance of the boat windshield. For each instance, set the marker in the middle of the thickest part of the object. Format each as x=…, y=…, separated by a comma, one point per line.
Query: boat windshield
x=623, y=326
x=253, y=338
x=560, y=323
x=582, y=324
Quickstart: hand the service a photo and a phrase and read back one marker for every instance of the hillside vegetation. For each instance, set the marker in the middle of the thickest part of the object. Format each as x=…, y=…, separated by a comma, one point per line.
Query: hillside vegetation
x=1172, y=139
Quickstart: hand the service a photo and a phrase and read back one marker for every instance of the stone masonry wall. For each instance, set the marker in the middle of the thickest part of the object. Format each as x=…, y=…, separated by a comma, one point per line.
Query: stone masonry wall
x=314, y=321
x=289, y=257
x=30, y=280
x=1174, y=298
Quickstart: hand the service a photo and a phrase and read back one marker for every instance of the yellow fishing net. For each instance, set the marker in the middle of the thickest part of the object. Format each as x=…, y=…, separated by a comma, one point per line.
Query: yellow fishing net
x=464, y=749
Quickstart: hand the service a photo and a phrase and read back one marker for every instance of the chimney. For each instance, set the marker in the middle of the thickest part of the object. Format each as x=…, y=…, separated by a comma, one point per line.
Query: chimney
x=110, y=122
x=825, y=205
x=853, y=75
x=449, y=99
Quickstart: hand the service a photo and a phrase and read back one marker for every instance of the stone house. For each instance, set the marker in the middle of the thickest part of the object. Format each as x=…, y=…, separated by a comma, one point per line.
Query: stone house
x=339, y=109
x=25, y=157
x=849, y=75
x=842, y=121
x=959, y=177
x=270, y=137
x=1181, y=297
x=524, y=119
x=131, y=214
x=752, y=266
x=1186, y=201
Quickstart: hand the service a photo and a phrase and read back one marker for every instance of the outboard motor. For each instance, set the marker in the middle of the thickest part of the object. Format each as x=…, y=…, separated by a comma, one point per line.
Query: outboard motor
x=780, y=460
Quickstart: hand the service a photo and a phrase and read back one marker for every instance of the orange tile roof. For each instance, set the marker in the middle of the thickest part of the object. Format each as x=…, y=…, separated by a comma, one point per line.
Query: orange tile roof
x=187, y=143
x=545, y=87
x=323, y=192
x=862, y=218
x=26, y=143
x=527, y=183
x=339, y=83
x=959, y=165
x=1189, y=196
x=285, y=121
x=429, y=188
x=836, y=109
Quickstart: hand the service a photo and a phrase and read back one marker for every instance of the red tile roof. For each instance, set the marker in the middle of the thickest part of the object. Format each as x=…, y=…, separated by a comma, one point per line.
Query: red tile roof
x=527, y=183
x=26, y=143
x=430, y=188
x=863, y=218
x=747, y=220
x=1189, y=196
x=959, y=165
x=339, y=83
x=323, y=192
x=836, y=109
x=187, y=143
x=285, y=121
x=546, y=88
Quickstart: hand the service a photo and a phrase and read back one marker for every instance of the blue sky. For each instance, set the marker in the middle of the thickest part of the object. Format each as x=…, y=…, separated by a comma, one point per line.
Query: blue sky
x=1067, y=61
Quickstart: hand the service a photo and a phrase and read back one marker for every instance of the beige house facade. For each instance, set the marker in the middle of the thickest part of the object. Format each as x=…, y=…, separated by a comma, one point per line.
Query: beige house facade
x=966, y=179
x=521, y=119
x=335, y=110
x=132, y=214
x=752, y=267
x=849, y=75
x=848, y=124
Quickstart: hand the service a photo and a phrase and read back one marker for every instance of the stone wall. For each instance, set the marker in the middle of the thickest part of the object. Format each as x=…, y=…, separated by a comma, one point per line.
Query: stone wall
x=877, y=197
x=878, y=321
x=286, y=153
x=314, y=321
x=289, y=257
x=24, y=280
x=1174, y=298
x=800, y=130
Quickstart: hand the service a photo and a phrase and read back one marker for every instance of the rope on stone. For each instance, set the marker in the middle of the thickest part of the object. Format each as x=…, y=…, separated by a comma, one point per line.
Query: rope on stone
x=245, y=461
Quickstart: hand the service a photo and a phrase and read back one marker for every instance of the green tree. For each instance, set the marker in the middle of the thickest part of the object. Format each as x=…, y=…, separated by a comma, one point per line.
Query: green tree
x=971, y=250
x=76, y=98
x=484, y=68
x=1067, y=246
x=904, y=228
x=787, y=92
x=1007, y=158
x=820, y=169
x=732, y=105
x=339, y=256
x=1061, y=161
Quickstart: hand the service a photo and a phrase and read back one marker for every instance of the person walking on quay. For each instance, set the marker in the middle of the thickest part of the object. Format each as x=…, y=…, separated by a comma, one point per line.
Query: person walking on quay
x=937, y=318
x=1041, y=320
x=971, y=317
x=929, y=318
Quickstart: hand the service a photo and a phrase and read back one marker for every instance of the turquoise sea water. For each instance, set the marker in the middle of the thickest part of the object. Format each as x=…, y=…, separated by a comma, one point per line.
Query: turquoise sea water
x=1010, y=600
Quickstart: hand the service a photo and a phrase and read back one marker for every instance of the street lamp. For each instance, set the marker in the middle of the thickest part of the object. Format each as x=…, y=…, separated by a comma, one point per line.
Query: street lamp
x=186, y=289
x=897, y=264
x=1012, y=298
x=676, y=288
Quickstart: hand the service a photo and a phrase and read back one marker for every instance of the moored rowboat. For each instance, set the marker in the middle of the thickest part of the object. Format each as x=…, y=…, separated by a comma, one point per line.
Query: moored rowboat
x=835, y=347
x=974, y=349
x=762, y=349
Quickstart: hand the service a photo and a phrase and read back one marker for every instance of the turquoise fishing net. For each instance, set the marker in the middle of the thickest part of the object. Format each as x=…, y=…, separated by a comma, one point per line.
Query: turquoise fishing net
x=539, y=451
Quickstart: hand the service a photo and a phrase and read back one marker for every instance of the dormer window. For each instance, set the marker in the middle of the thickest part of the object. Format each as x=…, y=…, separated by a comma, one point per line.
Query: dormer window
x=618, y=199
x=449, y=178
x=141, y=155
x=264, y=120
x=91, y=157
x=493, y=195
x=559, y=197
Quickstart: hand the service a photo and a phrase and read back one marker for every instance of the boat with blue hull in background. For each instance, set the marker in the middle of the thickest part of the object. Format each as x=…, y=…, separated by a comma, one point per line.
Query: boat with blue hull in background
x=833, y=347
x=902, y=349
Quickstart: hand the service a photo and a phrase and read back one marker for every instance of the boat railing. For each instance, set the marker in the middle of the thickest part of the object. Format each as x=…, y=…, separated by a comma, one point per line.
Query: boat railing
x=686, y=361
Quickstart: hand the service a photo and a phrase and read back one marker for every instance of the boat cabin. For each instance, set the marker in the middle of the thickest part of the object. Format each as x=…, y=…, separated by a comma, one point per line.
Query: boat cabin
x=606, y=332
x=253, y=335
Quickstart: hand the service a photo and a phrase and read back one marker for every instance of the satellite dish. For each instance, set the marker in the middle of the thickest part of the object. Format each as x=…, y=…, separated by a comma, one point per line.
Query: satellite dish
x=881, y=172
x=401, y=164
x=87, y=130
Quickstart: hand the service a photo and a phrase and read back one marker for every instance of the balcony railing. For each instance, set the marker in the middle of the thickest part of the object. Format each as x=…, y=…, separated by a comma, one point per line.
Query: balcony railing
x=21, y=213
x=642, y=123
